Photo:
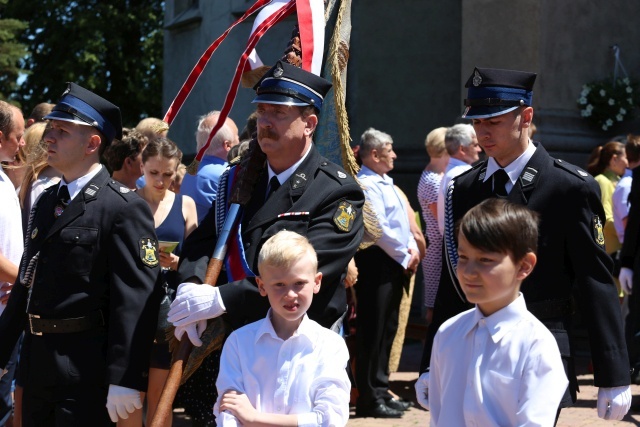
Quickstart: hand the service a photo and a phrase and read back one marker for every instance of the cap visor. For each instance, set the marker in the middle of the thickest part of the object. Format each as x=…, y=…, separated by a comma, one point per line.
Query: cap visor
x=276, y=98
x=485, y=112
x=65, y=117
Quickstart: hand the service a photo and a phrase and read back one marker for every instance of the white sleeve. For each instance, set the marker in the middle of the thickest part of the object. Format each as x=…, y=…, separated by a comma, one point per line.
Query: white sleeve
x=391, y=242
x=440, y=205
x=543, y=384
x=620, y=200
x=229, y=378
x=435, y=385
x=330, y=388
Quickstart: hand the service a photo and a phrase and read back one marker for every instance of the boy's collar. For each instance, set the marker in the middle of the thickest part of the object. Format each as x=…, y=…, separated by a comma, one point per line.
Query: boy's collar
x=266, y=328
x=502, y=321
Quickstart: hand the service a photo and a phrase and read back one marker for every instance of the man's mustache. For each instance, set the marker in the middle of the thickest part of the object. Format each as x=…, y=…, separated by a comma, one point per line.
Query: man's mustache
x=267, y=133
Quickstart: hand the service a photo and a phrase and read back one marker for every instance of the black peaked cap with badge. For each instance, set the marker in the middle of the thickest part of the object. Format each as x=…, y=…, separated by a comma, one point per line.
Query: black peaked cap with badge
x=493, y=92
x=81, y=106
x=285, y=84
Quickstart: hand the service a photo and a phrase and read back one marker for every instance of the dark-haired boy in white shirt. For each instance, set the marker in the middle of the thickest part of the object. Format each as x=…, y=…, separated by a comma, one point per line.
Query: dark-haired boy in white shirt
x=495, y=364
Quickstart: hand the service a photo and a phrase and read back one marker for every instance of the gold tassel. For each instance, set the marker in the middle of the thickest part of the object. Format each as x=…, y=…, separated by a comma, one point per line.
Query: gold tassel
x=192, y=169
x=251, y=77
x=212, y=339
x=372, y=229
x=339, y=54
x=164, y=127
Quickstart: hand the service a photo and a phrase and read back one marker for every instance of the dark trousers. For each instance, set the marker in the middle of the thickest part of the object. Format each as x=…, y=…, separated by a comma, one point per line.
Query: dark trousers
x=64, y=406
x=632, y=323
x=6, y=402
x=378, y=292
x=63, y=377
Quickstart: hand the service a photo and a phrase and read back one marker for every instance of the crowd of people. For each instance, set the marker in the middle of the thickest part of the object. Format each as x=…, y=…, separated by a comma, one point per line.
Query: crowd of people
x=108, y=246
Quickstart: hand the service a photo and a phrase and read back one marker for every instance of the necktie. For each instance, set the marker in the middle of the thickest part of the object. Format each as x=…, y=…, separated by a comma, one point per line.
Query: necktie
x=274, y=184
x=500, y=179
x=63, y=201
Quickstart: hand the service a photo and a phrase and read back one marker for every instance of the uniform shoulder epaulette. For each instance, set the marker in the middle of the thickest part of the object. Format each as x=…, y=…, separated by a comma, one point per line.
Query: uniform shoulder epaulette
x=573, y=169
x=120, y=189
x=335, y=171
x=235, y=161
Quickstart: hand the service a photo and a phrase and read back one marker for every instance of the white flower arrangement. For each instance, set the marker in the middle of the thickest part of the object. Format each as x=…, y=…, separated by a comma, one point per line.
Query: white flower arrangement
x=605, y=102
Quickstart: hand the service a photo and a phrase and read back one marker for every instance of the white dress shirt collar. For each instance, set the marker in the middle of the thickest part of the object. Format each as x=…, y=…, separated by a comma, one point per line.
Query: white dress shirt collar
x=304, y=329
x=500, y=322
x=513, y=169
x=453, y=162
x=386, y=179
x=285, y=175
x=77, y=185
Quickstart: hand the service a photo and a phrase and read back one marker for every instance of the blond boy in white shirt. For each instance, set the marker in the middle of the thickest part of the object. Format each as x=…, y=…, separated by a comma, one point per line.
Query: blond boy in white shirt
x=286, y=369
x=496, y=364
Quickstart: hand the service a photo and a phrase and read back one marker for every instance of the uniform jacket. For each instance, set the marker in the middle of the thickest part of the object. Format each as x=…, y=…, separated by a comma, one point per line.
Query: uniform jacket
x=571, y=257
x=318, y=187
x=91, y=258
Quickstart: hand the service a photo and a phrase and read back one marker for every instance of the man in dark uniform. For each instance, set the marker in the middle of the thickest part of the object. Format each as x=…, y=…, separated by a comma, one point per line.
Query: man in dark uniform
x=630, y=274
x=571, y=252
x=298, y=190
x=307, y=194
x=86, y=295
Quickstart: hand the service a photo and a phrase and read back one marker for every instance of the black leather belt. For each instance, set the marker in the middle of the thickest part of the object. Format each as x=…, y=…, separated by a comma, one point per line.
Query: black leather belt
x=550, y=309
x=39, y=326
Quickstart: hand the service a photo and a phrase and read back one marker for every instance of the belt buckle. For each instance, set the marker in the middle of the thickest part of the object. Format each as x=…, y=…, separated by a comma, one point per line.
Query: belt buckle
x=33, y=316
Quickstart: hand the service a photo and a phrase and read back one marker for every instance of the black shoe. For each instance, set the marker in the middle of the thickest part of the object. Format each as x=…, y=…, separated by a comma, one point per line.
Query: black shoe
x=398, y=404
x=379, y=411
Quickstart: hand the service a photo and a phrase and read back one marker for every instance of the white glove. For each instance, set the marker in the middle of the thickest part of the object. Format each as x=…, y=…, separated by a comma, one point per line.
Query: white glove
x=626, y=280
x=194, y=331
x=614, y=402
x=195, y=302
x=422, y=390
x=122, y=401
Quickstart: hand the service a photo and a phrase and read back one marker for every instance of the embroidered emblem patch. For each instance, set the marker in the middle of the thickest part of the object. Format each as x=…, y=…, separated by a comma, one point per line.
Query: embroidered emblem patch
x=124, y=190
x=344, y=216
x=149, y=251
x=342, y=175
x=598, y=234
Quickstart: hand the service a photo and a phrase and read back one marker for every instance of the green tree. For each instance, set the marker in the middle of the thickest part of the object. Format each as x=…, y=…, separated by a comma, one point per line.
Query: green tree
x=11, y=52
x=113, y=48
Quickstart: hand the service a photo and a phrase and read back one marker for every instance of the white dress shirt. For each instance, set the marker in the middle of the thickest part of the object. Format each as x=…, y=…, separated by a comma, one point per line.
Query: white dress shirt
x=500, y=370
x=393, y=218
x=620, y=203
x=12, y=242
x=454, y=168
x=304, y=375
